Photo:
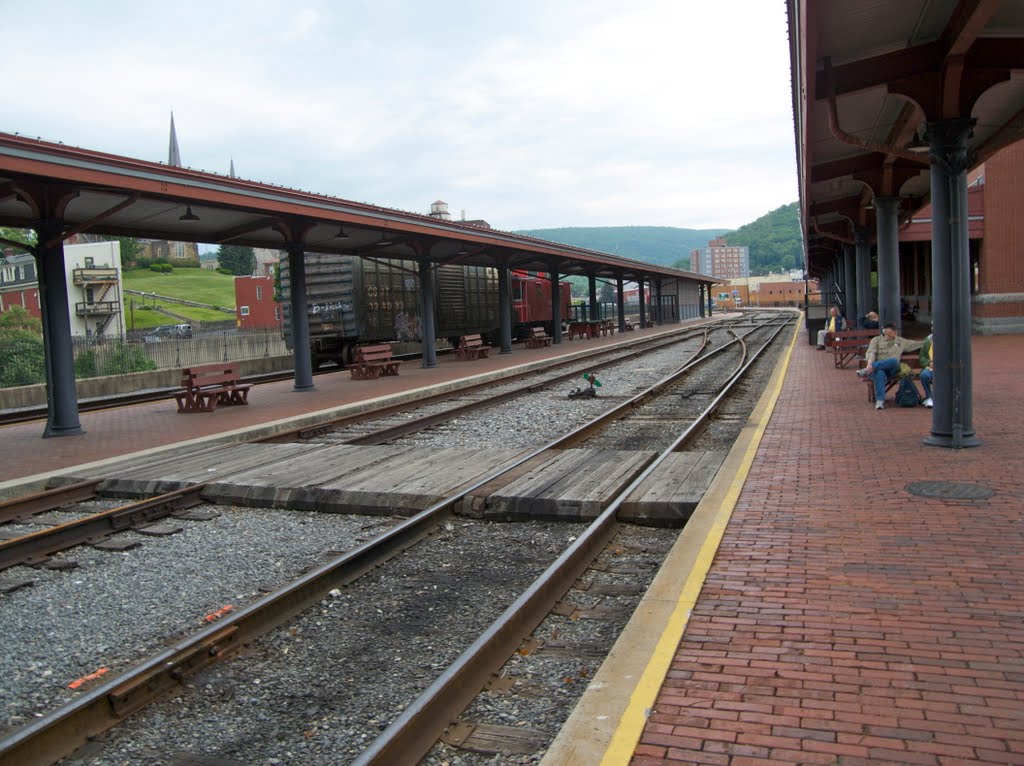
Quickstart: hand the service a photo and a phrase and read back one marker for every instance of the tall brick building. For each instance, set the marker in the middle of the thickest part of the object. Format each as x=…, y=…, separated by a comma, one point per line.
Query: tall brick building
x=721, y=260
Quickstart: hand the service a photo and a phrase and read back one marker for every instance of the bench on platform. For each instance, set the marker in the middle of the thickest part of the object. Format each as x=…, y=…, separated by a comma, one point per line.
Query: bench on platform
x=471, y=347
x=538, y=338
x=848, y=345
x=205, y=386
x=373, y=361
x=909, y=358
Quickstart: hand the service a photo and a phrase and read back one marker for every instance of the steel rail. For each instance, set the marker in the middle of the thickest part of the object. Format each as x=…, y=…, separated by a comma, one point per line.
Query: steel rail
x=22, y=508
x=306, y=432
x=36, y=547
x=410, y=736
x=413, y=426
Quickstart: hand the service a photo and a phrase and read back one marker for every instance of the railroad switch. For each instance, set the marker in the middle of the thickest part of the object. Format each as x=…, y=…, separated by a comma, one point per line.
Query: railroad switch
x=587, y=393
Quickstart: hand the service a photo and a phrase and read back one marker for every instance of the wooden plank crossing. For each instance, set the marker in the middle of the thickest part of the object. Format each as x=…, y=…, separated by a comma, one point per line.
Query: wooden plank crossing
x=166, y=474
x=167, y=457
x=342, y=478
x=297, y=481
x=669, y=495
x=412, y=481
x=571, y=485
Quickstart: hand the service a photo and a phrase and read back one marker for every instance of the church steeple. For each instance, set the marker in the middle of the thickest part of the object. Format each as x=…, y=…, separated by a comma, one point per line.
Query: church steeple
x=173, y=154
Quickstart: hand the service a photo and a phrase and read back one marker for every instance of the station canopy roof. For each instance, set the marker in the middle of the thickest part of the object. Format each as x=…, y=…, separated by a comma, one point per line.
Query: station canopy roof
x=867, y=75
x=97, y=193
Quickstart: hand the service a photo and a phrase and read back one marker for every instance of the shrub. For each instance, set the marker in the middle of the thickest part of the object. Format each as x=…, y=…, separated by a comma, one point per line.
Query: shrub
x=21, y=358
x=85, y=365
x=19, y=318
x=124, y=358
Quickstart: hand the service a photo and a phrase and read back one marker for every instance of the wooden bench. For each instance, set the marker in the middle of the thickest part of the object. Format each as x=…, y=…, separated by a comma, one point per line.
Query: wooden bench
x=538, y=338
x=848, y=345
x=206, y=386
x=373, y=361
x=909, y=358
x=471, y=347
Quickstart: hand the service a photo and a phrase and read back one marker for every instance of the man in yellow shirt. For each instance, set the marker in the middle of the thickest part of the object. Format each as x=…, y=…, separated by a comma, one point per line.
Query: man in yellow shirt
x=835, y=322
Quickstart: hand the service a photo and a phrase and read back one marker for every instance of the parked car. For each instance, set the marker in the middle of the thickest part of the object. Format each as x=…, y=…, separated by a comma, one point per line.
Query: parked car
x=165, y=331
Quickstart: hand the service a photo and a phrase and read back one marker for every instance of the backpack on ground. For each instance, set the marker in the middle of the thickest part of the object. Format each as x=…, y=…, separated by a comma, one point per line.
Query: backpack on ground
x=906, y=394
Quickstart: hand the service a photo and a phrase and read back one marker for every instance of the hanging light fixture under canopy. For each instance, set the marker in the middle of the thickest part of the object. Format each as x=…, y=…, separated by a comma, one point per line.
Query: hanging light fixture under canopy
x=188, y=215
x=342, y=234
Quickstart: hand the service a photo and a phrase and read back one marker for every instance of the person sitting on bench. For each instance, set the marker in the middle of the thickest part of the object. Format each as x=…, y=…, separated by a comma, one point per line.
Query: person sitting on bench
x=927, y=359
x=835, y=322
x=869, y=321
x=883, y=357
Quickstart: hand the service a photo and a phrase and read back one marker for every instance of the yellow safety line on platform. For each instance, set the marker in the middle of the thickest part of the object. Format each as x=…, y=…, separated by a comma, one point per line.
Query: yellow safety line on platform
x=634, y=718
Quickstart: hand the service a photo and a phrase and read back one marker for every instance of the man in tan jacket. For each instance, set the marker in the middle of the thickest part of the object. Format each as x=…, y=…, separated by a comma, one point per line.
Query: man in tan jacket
x=883, y=356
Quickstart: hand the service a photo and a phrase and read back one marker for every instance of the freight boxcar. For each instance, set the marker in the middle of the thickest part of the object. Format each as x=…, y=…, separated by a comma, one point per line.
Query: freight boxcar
x=353, y=300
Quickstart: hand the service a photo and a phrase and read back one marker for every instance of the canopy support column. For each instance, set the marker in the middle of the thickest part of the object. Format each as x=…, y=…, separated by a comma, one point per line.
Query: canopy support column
x=58, y=352
x=951, y=286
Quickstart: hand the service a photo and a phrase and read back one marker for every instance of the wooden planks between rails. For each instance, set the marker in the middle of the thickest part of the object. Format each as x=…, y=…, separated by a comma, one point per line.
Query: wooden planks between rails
x=573, y=484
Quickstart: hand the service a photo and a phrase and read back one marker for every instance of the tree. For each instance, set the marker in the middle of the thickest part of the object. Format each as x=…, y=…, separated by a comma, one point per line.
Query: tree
x=131, y=249
x=21, y=348
x=774, y=240
x=240, y=261
x=25, y=236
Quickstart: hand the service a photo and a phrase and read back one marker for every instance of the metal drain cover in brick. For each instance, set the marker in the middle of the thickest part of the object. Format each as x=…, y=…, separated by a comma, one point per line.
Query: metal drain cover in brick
x=950, y=490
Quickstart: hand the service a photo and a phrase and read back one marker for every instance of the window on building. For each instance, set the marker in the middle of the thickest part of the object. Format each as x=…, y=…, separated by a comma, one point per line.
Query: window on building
x=277, y=313
x=259, y=292
x=243, y=310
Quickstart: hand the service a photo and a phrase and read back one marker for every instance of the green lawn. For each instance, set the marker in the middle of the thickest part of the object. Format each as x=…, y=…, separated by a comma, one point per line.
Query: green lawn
x=200, y=285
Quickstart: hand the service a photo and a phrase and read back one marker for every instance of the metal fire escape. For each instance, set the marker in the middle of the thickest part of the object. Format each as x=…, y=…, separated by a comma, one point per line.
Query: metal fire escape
x=96, y=282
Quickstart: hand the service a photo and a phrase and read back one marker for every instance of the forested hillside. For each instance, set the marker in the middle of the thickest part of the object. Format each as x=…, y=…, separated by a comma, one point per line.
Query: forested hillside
x=661, y=245
x=773, y=239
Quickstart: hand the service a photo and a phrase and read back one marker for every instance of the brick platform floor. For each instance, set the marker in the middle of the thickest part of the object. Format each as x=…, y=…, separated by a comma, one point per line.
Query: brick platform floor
x=845, y=620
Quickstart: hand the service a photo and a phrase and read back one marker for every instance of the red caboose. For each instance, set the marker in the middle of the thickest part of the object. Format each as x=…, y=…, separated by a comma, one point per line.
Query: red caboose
x=531, y=302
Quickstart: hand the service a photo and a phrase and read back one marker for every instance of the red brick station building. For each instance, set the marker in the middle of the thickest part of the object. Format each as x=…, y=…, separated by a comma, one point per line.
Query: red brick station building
x=996, y=231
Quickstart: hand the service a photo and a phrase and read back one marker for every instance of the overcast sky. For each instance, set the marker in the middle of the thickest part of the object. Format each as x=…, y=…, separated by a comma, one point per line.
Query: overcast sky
x=529, y=114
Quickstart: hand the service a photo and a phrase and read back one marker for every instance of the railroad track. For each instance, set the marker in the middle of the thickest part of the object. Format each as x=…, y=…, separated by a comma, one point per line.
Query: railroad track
x=31, y=414
x=37, y=545
x=415, y=731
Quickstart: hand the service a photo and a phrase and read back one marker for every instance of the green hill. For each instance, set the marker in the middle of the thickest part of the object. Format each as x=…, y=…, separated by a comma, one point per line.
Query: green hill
x=660, y=245
x=198, y=285
x=773, y=239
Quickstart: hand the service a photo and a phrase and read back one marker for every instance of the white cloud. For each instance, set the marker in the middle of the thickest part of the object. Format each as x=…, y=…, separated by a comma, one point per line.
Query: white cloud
x=534, y=114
